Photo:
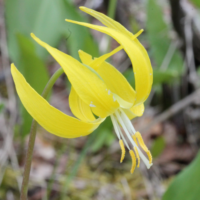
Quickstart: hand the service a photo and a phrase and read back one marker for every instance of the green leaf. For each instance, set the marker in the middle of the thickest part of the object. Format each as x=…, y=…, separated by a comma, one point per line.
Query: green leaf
x=186, y=184
x=110, y=138
x=1, y=107
x=24, y=17
x=104, y=135
x=33, y=68
x=160, y=77
x=130, y=77
x=101, y=138
x=157, y=147
x=46, y=19
x=78, y=37
x=160, y=43
x=195, y=3
x=42, y=17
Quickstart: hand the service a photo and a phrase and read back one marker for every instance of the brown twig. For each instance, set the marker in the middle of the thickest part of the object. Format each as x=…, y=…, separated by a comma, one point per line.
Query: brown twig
x=174, y=109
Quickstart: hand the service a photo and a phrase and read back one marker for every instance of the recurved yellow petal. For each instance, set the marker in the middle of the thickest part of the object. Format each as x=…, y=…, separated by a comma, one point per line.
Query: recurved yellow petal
x=95, y=64
x=138, y=110
x=107, y=21
x=86, y=82
x=85, y=57
x=79, y=108
x=52, y=119
x=116, y=82
x=135, y=111
x=142, y=72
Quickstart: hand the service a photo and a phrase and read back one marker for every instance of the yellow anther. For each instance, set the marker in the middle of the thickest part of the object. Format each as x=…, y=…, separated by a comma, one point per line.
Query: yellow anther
x=133, y=161
x=141, y=142
x=149, y=156
x=144, y=147
x=137, y=155
x=123, y=150
x=135, y=139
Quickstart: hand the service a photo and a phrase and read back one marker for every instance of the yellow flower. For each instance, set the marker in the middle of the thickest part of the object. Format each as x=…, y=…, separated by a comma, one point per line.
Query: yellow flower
x=97, y=87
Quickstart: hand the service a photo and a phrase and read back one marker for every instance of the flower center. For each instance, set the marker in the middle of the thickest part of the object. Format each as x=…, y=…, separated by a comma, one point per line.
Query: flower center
x=119, y=118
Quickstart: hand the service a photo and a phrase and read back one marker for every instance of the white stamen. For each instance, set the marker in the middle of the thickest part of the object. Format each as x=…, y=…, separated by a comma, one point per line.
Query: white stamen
x=127, y=122
x=122, y=136
x=145, y=160
x=114, y=98
x=115, y=126
x=108, y=92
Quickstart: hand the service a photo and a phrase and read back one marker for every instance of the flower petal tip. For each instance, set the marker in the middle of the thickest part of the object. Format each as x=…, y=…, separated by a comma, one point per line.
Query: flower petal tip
x=13, y=68
x=141, y=31
x=33, y=35
x=40, y=42
x=82, y=8
x=70, y=21
x=12, y=65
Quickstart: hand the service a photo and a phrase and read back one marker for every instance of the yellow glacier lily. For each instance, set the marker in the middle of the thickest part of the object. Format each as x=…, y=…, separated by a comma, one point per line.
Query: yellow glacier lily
x=97, y=88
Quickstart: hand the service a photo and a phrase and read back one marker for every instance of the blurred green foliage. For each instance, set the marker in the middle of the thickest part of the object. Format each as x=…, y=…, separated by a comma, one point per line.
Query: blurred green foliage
x=158, y=146
x=130, y=77
x=196, y=3
x=103, y=135
x=159, y=76
x=46, y=19
x=168, y=61
x=34, y=69
x=186, y=184
x=1, y=107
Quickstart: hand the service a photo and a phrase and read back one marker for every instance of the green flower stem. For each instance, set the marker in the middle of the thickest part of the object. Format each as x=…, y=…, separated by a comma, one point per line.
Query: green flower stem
x=111, y=13
x=29, y=154
x=111, y=8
